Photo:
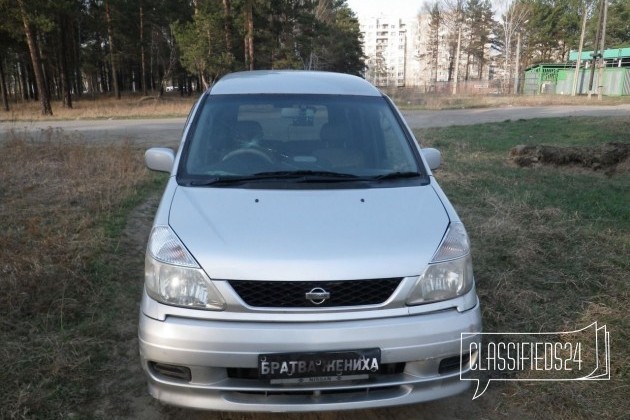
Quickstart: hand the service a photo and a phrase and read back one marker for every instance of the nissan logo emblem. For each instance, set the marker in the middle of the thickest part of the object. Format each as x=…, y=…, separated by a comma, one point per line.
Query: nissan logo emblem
x=317, y=296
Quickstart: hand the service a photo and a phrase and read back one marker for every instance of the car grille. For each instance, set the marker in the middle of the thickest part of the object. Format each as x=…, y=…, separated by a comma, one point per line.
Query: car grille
x=293, y=294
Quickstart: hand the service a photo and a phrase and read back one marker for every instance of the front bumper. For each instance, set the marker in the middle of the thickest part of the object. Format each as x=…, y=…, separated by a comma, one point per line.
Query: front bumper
x=210, y=348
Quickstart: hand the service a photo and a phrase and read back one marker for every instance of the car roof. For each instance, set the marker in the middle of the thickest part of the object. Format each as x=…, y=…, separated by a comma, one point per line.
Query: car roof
x=292, y=82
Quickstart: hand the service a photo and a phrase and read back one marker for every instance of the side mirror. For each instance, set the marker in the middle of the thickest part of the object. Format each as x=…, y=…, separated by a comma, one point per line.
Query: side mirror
x=433, y=157
x=159, y=159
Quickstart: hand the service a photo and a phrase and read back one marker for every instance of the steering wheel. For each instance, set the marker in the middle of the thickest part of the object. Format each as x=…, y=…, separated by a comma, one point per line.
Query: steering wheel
x=245, y=151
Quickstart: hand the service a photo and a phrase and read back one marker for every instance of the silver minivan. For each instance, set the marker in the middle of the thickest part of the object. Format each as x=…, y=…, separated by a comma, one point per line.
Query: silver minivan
x=303, y=256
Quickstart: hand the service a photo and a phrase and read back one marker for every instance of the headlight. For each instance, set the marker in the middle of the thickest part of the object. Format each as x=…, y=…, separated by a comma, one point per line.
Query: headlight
x=449, y=274
x=172, y=276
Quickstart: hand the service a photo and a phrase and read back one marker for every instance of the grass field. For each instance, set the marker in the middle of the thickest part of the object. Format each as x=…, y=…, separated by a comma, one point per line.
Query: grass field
x=550, y=247
x=63, y=204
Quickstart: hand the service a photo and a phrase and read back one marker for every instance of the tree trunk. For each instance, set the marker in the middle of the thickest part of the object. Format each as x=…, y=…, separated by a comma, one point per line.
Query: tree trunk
x=142, y=54
x=23, y=70
x=468, y=55
x=204, y=81
x=3, y=88
x=451, y=62
x=31, y=40
x=34, y=90
x=436, y=57
x=249, y=42
x=66, y=94
x=246, y=52
x=151, y=66
x=77, y=77
x=227, y=25
x=110, y=35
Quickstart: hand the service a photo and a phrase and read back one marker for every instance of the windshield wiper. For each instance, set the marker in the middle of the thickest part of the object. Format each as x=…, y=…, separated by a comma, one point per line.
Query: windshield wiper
x=397, y=175
x=303, y=176
x=423, y=178
x=300, y=176
x=307, y=175
x=203, y=182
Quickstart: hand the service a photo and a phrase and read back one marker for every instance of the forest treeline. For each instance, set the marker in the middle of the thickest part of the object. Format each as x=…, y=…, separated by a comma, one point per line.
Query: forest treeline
x=62, y=49
x=65, y=48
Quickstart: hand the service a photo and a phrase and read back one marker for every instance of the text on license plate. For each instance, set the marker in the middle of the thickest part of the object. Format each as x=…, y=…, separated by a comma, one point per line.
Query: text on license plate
x=320, y=364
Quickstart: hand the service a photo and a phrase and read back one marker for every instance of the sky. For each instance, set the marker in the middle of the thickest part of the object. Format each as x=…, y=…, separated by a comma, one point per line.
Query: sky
x=396, y=8
x=400, y=8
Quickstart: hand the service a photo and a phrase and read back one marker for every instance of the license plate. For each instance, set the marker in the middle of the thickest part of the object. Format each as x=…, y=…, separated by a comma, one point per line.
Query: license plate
x=319, y=366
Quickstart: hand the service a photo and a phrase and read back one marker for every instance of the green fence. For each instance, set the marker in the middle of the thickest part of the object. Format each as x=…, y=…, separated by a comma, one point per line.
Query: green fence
x=558, y=80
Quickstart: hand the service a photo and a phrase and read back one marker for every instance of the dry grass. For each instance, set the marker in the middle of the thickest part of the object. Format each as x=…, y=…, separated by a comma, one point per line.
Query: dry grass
x=550, y=248
x=173, y=105
x=412, y=99
x=130, y=106
x=60, y=202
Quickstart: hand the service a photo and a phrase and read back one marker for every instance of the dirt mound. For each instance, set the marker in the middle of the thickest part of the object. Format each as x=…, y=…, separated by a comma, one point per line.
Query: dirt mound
x=611, y=157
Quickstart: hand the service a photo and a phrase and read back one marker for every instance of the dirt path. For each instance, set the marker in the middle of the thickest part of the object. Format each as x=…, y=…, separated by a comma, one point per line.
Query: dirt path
x=125, y=395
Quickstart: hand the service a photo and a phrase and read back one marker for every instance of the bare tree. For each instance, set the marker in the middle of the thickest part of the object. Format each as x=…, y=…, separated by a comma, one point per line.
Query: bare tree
x=433, y=39
x=453, y=20
x=515, y=15
x=168, y=63
x=324, y=11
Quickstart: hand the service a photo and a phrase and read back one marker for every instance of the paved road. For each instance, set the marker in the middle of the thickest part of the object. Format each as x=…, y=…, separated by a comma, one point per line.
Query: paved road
x=423, y=119
x=166, y=132
x=149, y=132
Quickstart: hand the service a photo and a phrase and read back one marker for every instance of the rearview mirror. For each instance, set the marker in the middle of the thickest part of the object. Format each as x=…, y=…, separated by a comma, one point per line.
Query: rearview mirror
x=433, y=157
x=302, y=116
x=159, y=159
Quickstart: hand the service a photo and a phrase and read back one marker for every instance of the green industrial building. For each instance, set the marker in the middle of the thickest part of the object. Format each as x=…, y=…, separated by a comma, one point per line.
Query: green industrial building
x=559, y=79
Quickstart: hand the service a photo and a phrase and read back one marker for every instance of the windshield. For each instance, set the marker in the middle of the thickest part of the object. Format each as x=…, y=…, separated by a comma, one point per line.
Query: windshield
x=294, y=137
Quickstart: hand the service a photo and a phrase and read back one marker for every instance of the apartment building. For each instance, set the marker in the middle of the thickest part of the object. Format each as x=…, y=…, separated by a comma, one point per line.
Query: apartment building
x=390, y=45
x=401, y=54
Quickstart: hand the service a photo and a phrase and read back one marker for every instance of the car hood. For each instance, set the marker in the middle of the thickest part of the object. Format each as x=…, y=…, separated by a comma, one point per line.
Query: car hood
x=335, y=234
